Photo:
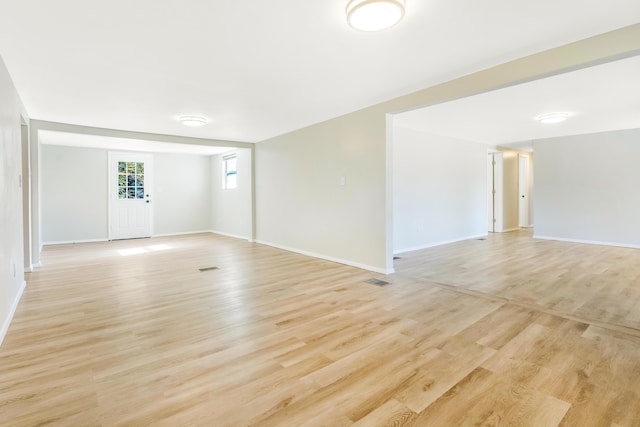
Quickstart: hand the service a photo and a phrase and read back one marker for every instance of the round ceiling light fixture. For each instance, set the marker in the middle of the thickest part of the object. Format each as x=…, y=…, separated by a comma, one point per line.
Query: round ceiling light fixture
x=374, y=15
x=193, y=120
x=552, y=118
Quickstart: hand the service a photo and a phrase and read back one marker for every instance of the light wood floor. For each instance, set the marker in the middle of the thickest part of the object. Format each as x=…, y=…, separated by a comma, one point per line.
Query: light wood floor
x=503, y=331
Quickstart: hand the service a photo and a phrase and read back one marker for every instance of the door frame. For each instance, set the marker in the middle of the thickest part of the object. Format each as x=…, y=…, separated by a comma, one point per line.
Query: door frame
x=497, y=190
x=491, y=193
x=111, y=179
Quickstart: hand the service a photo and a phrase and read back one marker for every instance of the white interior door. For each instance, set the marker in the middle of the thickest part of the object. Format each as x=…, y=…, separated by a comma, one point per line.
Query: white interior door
x=130, y=195
x=523, y=191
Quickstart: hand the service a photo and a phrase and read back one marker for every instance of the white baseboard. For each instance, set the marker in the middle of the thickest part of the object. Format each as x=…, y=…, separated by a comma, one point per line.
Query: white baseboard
x=69, y=242
x=14, y=306
x=588, y=242
x=329, y=258
x=184, y=233
x=236, y=236
x=431, y=245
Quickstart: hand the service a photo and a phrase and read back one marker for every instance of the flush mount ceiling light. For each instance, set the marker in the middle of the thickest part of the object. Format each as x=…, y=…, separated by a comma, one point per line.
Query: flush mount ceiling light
x=374, y=15
x=552, y=118
x=193, y=120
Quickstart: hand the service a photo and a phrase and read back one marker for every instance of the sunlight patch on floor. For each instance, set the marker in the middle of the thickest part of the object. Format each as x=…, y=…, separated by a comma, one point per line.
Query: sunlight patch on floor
x=143, y=250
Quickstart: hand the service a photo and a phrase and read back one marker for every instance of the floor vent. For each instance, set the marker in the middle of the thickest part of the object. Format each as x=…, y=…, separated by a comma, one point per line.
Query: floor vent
x=396, y=257
x=377, y=282
x=208, y=268
x=482, y=238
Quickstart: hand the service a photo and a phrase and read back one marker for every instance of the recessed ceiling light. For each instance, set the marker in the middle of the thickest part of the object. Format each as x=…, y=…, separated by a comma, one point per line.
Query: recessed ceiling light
x=193, y=120
x=374, y=15
x=552, y=118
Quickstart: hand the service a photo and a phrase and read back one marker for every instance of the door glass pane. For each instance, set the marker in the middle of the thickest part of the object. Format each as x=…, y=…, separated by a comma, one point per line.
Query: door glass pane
x=131, y=180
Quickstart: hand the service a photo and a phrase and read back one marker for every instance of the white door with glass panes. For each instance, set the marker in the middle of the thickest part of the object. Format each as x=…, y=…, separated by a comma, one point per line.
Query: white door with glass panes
x=130, y=195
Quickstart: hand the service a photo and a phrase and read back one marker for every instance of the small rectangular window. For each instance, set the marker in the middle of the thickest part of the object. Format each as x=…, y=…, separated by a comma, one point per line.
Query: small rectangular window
x=229, y=179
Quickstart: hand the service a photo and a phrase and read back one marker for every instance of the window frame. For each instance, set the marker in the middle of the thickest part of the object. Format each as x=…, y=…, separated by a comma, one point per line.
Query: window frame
x=230, y=175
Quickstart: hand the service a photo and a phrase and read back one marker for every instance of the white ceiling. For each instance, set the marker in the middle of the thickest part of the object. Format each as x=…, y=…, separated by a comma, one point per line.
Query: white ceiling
x=601, y=98
x=94, y=141
x=262, y=68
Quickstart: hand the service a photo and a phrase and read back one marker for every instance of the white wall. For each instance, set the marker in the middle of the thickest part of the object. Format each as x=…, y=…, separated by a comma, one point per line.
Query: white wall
x=74, y=194
x=301, y=203
x=439, y=188
x=586, y=188
x=231, y=209
x=182, y=201
x=11, y=227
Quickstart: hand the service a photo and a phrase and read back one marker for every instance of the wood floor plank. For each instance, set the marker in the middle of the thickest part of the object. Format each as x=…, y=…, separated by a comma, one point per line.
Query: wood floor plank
x=504, y=331
x=390, y=414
